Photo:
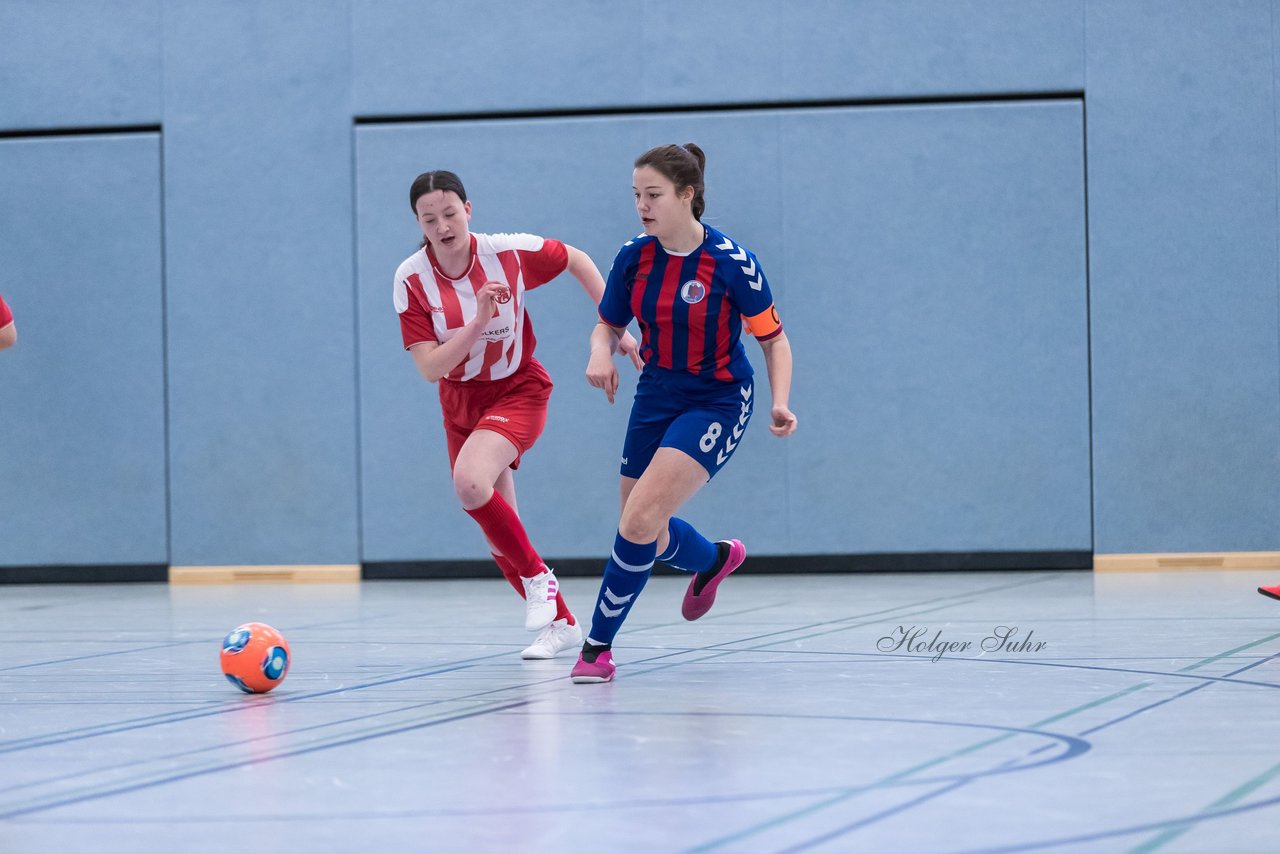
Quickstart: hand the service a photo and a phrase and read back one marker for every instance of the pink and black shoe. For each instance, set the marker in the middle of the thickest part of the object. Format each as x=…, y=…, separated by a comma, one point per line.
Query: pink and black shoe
x=1273, y=592
x=595, y=664
x=701, y=594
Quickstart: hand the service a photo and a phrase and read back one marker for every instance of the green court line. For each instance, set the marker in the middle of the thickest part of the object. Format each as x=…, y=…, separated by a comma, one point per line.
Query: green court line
x=1223, y=655
x=849, y=793
x=1225, y=801
x=1160, y=840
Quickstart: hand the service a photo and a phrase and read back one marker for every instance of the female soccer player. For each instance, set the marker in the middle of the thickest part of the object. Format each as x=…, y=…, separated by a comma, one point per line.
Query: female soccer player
x=8, y=329
x=692, y=289
x=461, y=301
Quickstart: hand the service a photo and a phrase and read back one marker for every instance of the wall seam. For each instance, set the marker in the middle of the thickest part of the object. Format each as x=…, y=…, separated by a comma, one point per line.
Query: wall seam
x=164, y=314
x=725, y=107
x=1088, y=273
x=72, y=130
x=355, y=309
x=355, y=328
x=1275, y=145
x=164, y=363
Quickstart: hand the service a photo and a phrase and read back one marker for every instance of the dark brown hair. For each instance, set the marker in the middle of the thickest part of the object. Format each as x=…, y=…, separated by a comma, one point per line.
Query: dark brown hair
x=429, y=182
x=682, y=165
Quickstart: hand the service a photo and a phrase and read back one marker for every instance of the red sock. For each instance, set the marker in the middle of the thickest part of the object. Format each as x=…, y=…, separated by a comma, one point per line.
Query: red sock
x=512, y=576
x=502, y=527
x=509, y=572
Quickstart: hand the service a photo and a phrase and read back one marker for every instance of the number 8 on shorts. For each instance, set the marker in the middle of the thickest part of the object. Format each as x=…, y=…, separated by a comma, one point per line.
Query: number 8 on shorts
x=708, y=440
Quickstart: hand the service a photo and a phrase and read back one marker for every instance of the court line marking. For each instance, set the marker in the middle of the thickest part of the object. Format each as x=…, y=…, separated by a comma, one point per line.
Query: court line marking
x=236, y=705
x=1226, y=800
x=508, y=688
x=889, y=780
x=175, y=717
x=227, y=766
x=1072, y=745
x=170, y=645
x=783, y=819
x=239, y=704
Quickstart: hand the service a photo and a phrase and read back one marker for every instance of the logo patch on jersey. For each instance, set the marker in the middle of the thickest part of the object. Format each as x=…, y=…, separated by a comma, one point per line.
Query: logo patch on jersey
x=693, y=292
x=503, y=296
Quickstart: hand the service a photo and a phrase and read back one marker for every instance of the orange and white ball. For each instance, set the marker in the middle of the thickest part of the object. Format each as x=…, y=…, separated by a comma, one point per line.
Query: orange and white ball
x=255, y=658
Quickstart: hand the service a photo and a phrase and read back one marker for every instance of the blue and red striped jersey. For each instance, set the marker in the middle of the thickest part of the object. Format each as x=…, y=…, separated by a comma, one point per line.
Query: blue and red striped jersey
x=691, y=307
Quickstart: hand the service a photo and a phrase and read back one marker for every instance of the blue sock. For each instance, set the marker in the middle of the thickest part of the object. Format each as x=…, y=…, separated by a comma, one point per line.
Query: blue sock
x=688, y=550
x=625, y=574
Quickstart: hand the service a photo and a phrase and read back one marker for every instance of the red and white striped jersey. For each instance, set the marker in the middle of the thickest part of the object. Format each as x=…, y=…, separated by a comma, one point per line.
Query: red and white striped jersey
x=433, y=307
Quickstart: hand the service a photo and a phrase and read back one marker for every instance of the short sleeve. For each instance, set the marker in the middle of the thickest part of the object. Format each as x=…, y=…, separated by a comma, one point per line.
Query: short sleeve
x=6, y=316
x=415, y=321
x=748, y=288
x=615, y=305
x=542, y=265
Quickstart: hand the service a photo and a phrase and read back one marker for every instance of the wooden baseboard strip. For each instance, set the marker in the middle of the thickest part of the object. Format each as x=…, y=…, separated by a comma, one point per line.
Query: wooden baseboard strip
x=1186, y=560
x=286, y=574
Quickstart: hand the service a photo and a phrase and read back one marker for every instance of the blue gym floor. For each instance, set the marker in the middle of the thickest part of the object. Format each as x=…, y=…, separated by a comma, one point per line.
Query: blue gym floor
x=1130, y=712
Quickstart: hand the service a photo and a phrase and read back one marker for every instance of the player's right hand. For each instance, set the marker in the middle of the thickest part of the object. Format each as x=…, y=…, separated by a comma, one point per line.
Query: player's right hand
x=630, y=347
x=490, y=295
x=602, y=373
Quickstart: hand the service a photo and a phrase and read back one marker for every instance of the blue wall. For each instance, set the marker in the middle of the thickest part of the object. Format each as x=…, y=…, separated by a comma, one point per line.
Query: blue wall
x=1182, y=221
x=82, y=395
x=973, y=374
x=258, y=221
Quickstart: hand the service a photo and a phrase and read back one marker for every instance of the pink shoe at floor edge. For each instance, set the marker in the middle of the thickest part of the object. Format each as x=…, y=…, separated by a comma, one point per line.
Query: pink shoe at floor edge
x=600, y=670
x=697, y=604
x=1273, y=592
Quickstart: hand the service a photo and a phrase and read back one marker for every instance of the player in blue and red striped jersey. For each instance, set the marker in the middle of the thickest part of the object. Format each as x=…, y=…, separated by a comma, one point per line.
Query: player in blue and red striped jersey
x=693, y=291
x=461, y=301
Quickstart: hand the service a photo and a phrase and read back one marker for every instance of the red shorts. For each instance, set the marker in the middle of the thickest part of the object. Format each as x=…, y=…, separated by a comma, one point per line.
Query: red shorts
x=514, y=407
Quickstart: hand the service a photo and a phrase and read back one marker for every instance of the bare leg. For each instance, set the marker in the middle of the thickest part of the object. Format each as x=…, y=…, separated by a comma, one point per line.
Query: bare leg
x=485, y=458
x=671, y=479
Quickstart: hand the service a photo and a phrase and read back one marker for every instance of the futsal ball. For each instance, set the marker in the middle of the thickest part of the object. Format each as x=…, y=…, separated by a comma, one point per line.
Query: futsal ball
x=255, y=658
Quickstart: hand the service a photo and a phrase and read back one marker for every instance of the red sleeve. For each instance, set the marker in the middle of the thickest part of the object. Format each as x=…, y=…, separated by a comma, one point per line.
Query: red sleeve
x=6, y=316
x=415, y=321
x=545, y=264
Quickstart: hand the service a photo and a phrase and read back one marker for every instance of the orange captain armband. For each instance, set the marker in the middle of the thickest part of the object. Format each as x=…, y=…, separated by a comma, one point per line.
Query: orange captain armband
x=764, y=325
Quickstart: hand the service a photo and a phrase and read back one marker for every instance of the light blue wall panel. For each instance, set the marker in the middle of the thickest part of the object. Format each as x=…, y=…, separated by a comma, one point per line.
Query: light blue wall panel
x=79, y=63
x=892, y=48
x=258, y=216
x=936, y=262
x=519, y=178
x=414, y=58
x=1182, y=196
x=82, y=394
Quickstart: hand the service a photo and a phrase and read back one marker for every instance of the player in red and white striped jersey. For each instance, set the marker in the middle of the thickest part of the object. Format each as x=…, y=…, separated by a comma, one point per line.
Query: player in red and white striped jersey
x=461, y=301
x=8, y=329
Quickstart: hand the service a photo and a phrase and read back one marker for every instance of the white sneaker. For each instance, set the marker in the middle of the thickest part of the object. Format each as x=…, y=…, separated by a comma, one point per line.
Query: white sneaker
x=540, y=599
x=553, y=640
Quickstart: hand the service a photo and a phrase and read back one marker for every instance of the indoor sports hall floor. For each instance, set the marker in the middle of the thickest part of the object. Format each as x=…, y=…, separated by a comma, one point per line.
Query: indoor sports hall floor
x=788, y=719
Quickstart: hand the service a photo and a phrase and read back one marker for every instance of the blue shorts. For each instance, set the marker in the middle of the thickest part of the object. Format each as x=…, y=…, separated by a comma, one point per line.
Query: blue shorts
x=703, y=418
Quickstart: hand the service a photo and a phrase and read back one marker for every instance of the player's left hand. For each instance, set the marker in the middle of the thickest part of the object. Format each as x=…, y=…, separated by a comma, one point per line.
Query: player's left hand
x=601, y=372
x=629, y=347
x=784, y=421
